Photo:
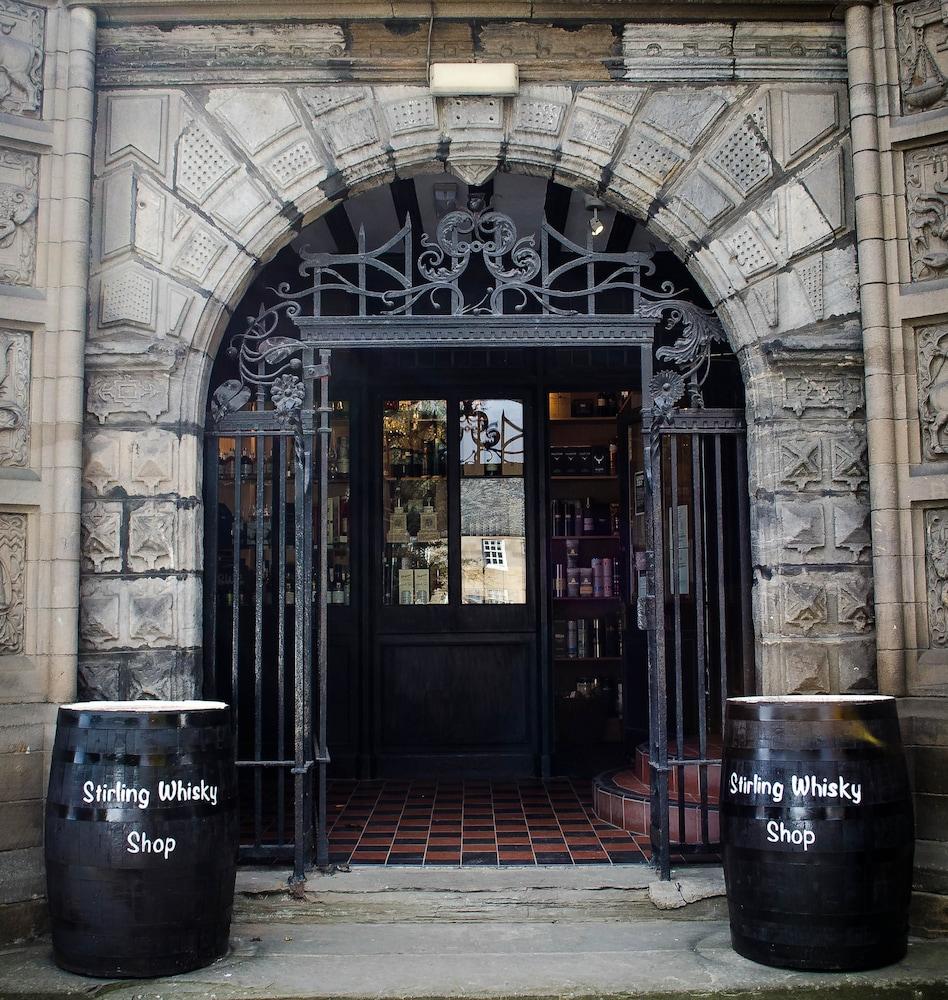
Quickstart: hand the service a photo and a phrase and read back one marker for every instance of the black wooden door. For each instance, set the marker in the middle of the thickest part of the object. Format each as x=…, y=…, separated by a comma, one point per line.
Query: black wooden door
x=454, y=584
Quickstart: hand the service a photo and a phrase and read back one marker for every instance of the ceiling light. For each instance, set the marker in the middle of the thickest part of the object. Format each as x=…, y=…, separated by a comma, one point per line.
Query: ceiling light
x=474, y=79
x=595, y=223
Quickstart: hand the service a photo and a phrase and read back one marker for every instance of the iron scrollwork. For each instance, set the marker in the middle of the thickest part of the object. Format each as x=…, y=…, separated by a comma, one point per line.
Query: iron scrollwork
x=519, y=280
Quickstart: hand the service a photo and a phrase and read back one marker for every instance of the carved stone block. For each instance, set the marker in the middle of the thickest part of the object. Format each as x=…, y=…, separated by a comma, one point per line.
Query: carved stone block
x=15, y=350
x=101, y=536
x=199, y=254
x=926, y=188
x=806, y=667
x=352, y=130
x=805, y=606
x=123, y=675
x=936, y=570
x=22, y=28
x=543, y=117
x=854, y=606
x=594, y=130
x=801, y=461
x=152, y=463
x=18, y=201
x=129, y=296
x=294, y=162
x=256, y=117
x=857, y=667
x=744, y=156
x=803, y=526
x=12, y=582
x=684, y=116
x=137, y=125
x=808, y=392
x=151, y=618
x=922, y=41
x=412, y=113
x=111, y=392
x=202, y=162
x=151, y=537
x=849, y=462
x=931, y=344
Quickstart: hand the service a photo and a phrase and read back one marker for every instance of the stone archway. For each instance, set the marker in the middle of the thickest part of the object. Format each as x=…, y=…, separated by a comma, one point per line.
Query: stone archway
x=744, y=181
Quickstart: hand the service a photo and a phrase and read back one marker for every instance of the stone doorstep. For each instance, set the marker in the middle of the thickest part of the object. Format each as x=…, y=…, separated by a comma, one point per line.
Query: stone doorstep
x=389, y=894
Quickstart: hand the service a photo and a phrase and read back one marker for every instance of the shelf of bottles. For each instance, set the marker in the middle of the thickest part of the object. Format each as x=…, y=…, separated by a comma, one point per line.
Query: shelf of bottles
x=260, y=500
x=586, y=559
x=414, y=502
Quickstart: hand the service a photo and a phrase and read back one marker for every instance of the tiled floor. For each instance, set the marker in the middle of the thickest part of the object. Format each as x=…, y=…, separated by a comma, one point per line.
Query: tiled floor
x=473, y=823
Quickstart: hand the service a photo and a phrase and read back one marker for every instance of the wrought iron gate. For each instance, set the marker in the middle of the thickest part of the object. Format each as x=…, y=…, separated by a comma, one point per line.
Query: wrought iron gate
x=559, y=294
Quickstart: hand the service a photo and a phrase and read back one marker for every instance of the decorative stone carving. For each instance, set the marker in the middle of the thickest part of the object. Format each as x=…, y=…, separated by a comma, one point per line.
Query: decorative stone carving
x=926, y=184
x=411, y=114
x=549, y=46
x=808, y=117
x=473, y=113
x=14, y=398
x=151, y=617
x=151, y=529
x=767, y=294
x=922, y=40
x=849, y=462
x=18, y=203
x=936, y=567
x=751, y=50
x=806, y=665
x=851, y=527
x=353, y=130
x=322, y=100
x=744, y=156
x=256, y=117
x=704, y=197
x=152, y=462
x=21, y=58
x=649, y=157
x=101, y=536
x=211, y=53
x=101, y=463
x=854, y=603
x=202, y=163
x=932, y=347
x=801, y=461
x=129, y=296
x=12, y=582
x=803, y=525
x=684, y=117
x=137, y=125
x=199, y=254
x=99, y=620
x=823, y=392
x=748, y=251
x=597, y=131
x=543, y=117
x=292, y=163
x=111, y=392
x=811, y=278
x=804, y=605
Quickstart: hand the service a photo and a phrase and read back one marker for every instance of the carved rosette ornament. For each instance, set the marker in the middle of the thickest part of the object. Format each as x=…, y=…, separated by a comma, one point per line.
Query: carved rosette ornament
x=519, y=284
x=936, y=566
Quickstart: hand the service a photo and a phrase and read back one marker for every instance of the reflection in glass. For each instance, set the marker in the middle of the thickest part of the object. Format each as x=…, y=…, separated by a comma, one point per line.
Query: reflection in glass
x=415, y=502
x=493, y=534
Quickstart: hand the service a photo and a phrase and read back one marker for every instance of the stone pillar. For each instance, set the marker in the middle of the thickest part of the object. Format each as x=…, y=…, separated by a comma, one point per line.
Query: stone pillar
x=870, y=242
x=46, y=98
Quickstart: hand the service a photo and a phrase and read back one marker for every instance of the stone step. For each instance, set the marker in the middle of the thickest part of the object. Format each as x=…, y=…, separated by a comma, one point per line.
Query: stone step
x=384, y=894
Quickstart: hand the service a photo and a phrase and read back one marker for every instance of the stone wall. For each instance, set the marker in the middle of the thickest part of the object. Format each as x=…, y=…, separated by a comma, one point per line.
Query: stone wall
x=46, y=81
x=901, y=67
x=738, y=159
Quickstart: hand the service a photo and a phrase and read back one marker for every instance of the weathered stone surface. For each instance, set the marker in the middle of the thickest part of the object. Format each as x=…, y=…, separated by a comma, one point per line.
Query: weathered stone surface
x=922, y=40
x=101, y=531
x=15, y=358
x=161, y=673
x=927, y=200
x=22, y=58
x=12, y=582
x=931, y=344
x=18, y=202
x=936, y=568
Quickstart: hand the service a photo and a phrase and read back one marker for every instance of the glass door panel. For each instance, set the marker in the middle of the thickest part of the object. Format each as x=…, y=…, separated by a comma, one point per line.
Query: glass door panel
x=493, y=528
x=338, y=583
x=414, y=502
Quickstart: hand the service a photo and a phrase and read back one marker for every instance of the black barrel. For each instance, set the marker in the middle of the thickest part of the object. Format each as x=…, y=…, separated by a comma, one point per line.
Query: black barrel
x=141, y=836
x=817, y=831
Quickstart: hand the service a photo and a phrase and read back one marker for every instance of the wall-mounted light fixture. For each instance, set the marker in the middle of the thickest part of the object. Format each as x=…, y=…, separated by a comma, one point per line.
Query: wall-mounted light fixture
x=474, y=79
x=596, y=225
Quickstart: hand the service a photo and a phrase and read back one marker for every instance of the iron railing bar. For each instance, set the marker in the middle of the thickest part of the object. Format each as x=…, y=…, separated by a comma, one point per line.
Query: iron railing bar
x=722, y=599
x=235, y=591
x=258, y=637
x=744, y=578
x=675, y=573
x=271, y=763
x=279, y=492
x=697, y=473
x=322, y=841
x=299, y=661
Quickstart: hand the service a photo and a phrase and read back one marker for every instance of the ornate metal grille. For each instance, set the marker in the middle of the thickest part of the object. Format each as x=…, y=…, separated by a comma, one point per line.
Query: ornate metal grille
x=477, y=282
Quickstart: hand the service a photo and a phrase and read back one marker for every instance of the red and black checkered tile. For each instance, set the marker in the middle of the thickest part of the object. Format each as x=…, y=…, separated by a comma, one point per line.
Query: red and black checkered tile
x=529, y=822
